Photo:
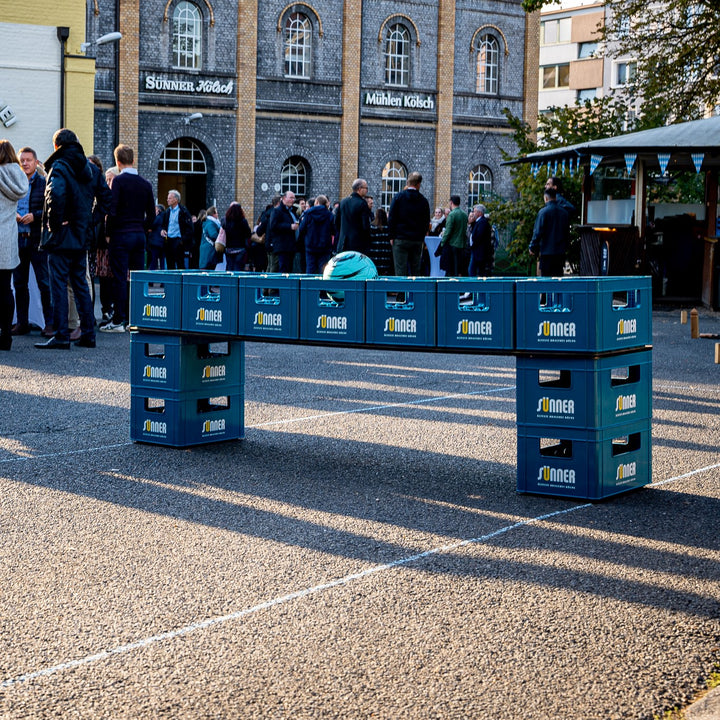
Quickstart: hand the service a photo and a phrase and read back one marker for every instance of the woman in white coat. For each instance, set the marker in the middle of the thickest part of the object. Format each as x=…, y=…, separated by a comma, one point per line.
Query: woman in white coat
x=13, y=186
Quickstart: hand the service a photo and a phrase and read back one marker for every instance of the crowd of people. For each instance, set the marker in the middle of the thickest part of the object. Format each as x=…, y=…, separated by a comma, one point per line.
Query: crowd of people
x=75, y=224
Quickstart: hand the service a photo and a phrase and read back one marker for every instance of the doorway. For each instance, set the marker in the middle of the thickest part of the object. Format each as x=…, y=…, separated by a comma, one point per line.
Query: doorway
x=183, y=167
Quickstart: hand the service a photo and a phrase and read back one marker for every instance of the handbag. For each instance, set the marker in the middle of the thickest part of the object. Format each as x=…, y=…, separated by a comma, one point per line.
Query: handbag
x=220, y=242
x=257, y=239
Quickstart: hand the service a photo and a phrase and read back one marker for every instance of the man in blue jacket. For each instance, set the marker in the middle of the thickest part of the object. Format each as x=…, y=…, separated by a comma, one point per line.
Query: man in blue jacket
x=550, y=236
x=316, y=232
x=74, y=184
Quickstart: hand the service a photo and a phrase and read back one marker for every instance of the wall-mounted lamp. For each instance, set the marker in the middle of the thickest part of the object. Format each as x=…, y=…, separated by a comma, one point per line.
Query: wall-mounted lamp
x=102, y=40
x=190, y=118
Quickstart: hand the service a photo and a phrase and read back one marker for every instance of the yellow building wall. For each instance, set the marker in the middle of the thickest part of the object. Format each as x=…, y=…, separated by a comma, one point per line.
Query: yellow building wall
x=79, y=72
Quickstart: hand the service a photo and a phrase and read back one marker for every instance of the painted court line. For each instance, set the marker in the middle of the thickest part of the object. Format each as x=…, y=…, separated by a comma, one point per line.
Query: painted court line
x=284, y=599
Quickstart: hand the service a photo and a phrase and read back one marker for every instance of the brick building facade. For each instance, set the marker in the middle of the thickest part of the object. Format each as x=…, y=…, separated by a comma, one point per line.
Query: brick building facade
x=237, y=100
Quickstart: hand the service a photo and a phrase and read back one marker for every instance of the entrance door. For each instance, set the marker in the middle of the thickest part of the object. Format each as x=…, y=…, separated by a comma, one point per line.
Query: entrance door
x=182, y=167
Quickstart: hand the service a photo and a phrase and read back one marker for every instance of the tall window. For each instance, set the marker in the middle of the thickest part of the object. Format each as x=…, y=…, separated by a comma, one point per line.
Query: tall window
x=298, y=46
x=394, y=175
x=488, y=58
x=187, y=36
x=625, y=72
x=479, y=184
x=294, y=176
x=182, y=156
x=397, y=56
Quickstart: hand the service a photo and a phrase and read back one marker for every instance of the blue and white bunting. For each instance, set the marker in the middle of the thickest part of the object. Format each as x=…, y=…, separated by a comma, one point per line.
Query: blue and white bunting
x=697, y=159
x=663, y=159
x=594, y=162
x=630, y=159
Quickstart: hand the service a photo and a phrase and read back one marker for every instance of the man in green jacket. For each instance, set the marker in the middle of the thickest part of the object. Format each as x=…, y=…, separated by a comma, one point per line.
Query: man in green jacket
x=455, y=237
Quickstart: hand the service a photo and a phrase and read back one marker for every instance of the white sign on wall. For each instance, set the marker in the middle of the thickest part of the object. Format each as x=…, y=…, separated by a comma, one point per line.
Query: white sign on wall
x=197, y=86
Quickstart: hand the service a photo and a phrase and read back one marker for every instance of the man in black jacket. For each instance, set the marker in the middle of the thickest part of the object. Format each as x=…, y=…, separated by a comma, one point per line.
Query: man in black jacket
x=281, y=229
x=29, y=221
x=178, y=231
x=73, y=185
x=408, y=224
x=352, y=220
x=132, y=212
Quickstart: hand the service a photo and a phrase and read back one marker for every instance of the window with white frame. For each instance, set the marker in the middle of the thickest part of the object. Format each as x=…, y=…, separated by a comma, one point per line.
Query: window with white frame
x=553, y=32
x=625, y=72
x=555, y=76
x=298, y=46
x=480, y=184
x=394, y=176
x=587, y=50
x=294, y=176
x=182, y=156
x=187, y=36
x=587, y=94
x=487, y=65
x=397, y=56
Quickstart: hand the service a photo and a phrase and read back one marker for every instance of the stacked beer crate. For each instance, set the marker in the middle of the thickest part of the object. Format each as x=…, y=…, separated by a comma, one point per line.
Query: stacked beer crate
x=584, y=385
x=187, y=371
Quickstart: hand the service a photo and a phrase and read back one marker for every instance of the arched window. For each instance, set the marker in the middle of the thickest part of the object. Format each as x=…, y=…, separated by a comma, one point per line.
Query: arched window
x=479, y=184
x=298, y=46
x=182, y=156
x=393, y=179
x=294, y=176
x=187, y=36
x=487, y=65
x=397, y=56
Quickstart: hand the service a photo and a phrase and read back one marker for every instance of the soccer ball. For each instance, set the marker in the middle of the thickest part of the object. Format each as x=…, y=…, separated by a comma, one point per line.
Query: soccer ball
x=349, y=265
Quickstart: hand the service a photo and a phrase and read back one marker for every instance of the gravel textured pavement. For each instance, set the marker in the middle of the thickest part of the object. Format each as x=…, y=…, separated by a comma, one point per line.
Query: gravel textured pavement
x=361, y=553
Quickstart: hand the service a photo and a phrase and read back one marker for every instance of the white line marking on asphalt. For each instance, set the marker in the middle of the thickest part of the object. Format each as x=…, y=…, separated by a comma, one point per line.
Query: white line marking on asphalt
x=210, y=622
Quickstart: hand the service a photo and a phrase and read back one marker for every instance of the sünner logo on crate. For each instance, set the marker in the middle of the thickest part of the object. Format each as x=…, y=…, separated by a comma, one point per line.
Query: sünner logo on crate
x=331, y=322
x=554, y=407
x=557, y=476
x=475, y=327
x=627, y=327
x=155, y=373
x=213, y=371
x=154, y=311
x=213, y=426
x=626, y=473
x=208, y=316
x=556, y=329
x=400, y=326
x=625, y=403
x=268, y=319
x=157, y=427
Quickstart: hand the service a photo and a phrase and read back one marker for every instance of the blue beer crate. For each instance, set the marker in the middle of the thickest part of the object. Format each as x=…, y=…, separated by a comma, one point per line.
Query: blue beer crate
x=584, y=393
x=400, y=311
x=269, y=306
x=332, y=310
x=178, y=363
x=583, y=464
x=210, y=302
x=156, y=299
x=186, y=419
x=583, y=314
x=476, y=313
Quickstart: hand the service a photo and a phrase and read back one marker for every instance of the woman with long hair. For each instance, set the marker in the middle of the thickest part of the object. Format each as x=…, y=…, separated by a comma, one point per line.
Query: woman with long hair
x=13, y=186
x=237, y=234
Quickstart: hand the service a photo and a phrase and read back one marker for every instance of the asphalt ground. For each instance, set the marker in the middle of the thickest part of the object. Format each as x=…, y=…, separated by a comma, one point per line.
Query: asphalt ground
x=361, y=553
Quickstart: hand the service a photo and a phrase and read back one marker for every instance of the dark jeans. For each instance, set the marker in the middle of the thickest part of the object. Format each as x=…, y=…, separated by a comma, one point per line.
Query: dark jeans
x=127, y=252
x=407, y=255
x=174, y=253
x=21, y=276
x=235, y=261
x=285, y=261
x=552, y=265
x=157, y=258
x=7, y=306
x=315, y=261
x=70, y=267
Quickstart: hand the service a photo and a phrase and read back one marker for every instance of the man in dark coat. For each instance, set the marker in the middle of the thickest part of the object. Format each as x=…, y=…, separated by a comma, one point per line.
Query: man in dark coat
x=550, y=236
x=281, y=229
x=482, y=251
x=178, y=231
x=408, y=224
x=316, y=231
x=132, y=212
x=353, y=218
x=73, y=185
x=29, y=220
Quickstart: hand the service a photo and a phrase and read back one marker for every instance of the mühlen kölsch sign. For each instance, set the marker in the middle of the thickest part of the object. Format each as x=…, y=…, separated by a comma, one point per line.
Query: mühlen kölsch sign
x=408, y=101
x=158, y=83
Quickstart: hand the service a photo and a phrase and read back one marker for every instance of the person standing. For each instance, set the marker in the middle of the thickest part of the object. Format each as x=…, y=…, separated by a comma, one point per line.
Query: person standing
x=29, y=223
x=73, y=186
x=281, y=228
x=353, y=218
x=482, y=251
x=13, y=186
x=315, y=235
x=237, y=236
x=132, y=212
x=208, y=257
x=156, y=242
x=408, y=223
x=455, y=237
x=550, y=236
x=177, y=231
x=380, y=248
